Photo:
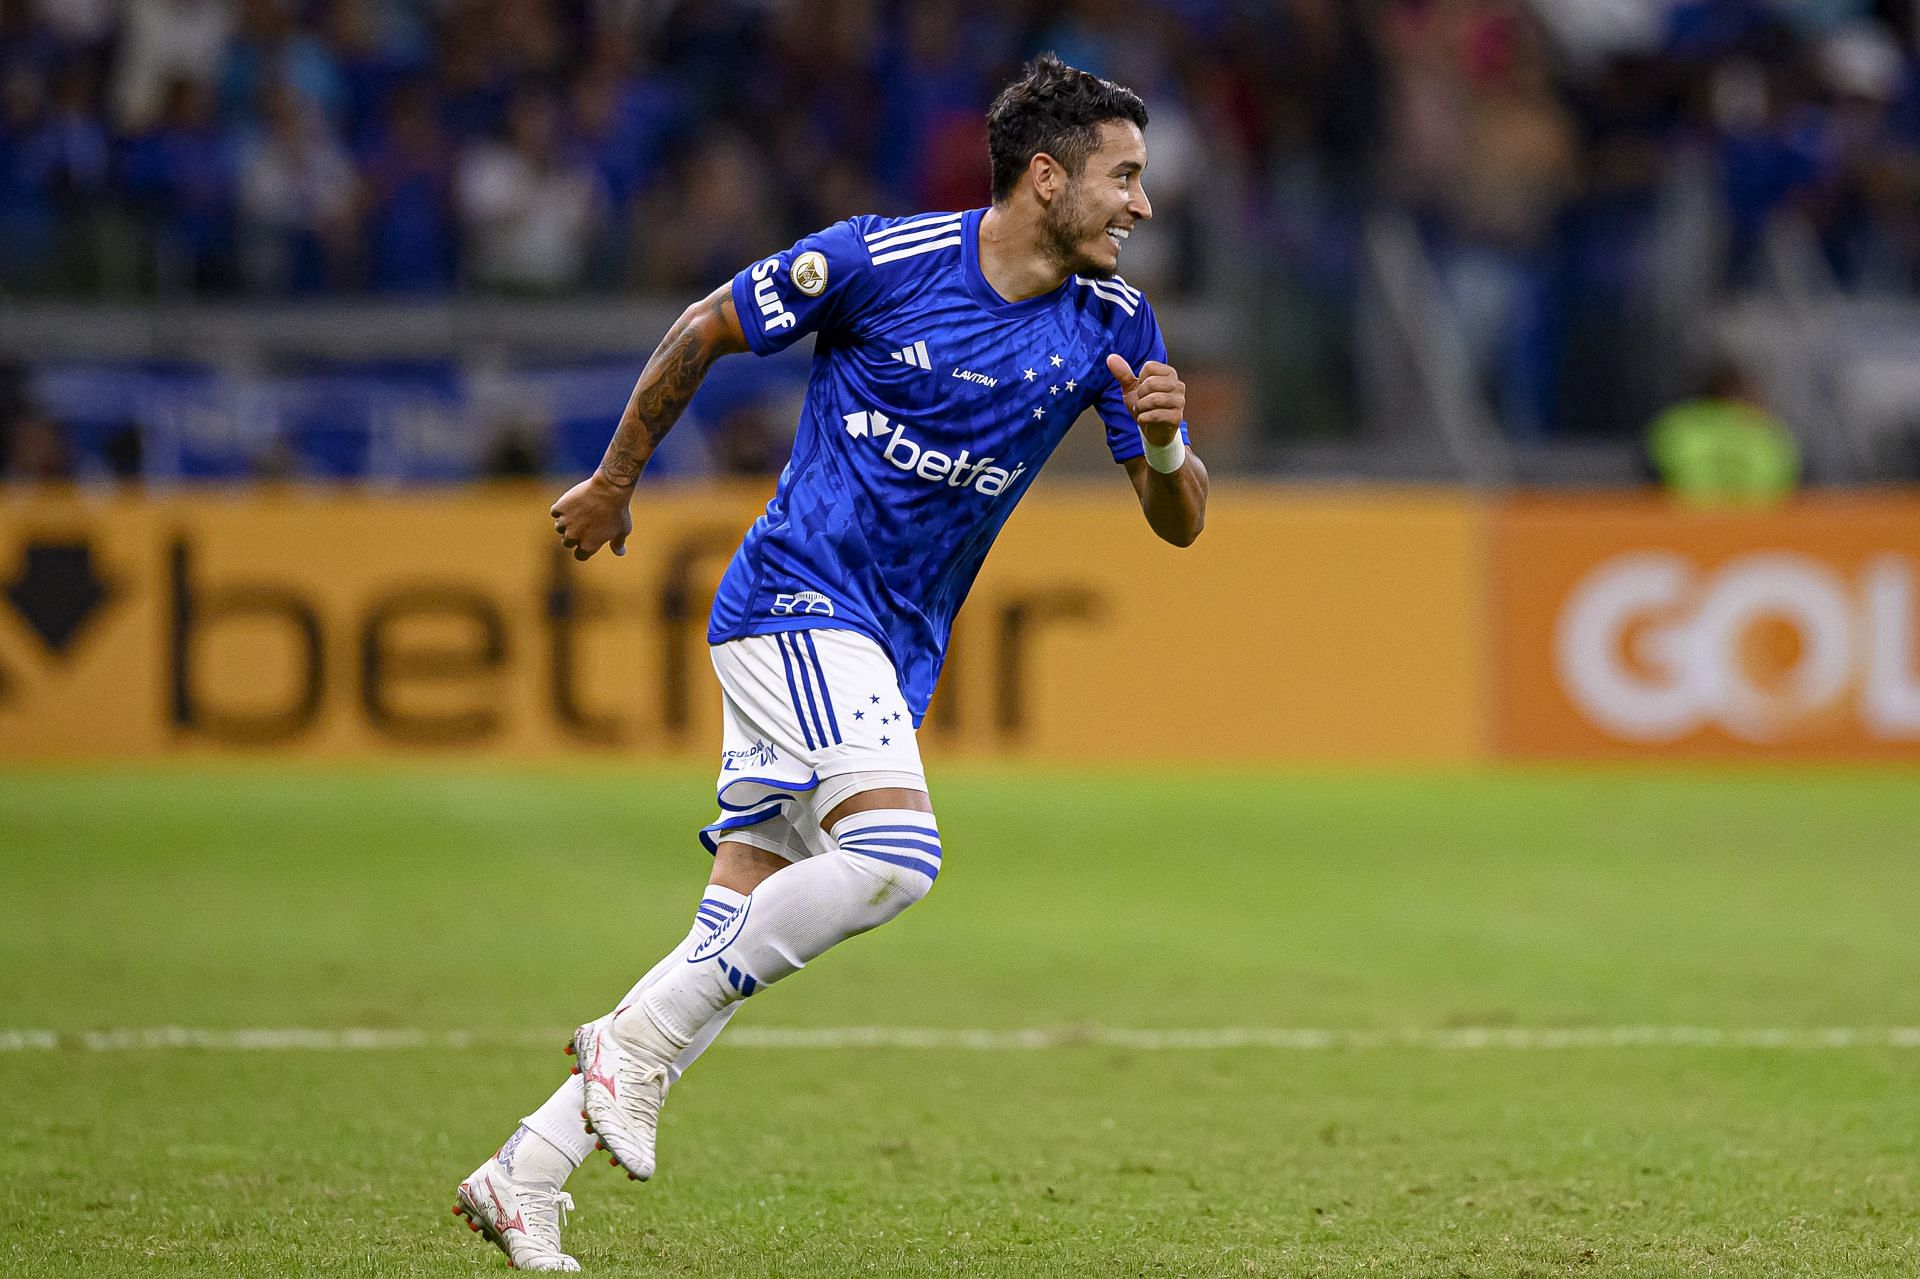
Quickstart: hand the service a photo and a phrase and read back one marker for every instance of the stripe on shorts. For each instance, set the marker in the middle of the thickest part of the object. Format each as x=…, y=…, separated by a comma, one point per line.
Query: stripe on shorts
x=793, y=690
x=791, y=643
x=826, y=698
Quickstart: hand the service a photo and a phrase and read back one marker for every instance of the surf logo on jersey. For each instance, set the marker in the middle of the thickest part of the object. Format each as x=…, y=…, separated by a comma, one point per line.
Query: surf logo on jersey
x=810, y=273
x=802, y=604
x=982, y=475
x=774, y=315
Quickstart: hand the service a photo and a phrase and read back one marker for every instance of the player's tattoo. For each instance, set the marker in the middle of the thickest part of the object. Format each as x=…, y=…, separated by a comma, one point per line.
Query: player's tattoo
x=622, y=467
x=672, y=375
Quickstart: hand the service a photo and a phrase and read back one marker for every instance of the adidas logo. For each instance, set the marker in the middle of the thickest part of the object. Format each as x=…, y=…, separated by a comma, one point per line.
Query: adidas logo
x=916, y=355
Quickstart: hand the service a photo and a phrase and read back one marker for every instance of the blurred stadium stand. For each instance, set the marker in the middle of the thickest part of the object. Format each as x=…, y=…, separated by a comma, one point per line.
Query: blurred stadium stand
x=418, y=241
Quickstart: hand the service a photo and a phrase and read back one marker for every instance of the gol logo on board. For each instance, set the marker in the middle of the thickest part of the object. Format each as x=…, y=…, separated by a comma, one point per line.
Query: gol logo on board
x=1768, y=647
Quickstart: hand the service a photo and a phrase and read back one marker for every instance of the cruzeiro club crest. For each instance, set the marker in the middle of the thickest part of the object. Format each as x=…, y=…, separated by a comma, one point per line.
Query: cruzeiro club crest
x=810, y=273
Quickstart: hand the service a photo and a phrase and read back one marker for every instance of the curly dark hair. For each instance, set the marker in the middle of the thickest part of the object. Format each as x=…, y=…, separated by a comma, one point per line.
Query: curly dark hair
x=1055, y=109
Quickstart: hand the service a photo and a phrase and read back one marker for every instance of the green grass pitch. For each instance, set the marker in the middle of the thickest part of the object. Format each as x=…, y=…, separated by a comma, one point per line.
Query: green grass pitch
x=512, y=904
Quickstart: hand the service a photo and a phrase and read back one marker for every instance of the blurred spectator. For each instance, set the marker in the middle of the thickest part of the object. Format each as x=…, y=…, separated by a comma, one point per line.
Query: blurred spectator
x=379, y=49
x=162, y=41
x=29, y=221
x=1867, y=206
x=935, y=86
x=297, y=200
x=179, y=176
x=269, y=50
x=626, y=120
x=529, y=208
x=27, y=41
x=78, y=162
x=85, y=26
x=412, y=234
x=718, y=216
x=1491, y=152
x=1724, y=448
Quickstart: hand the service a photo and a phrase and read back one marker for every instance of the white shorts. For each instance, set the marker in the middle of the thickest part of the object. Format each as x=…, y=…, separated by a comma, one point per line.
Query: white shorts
x=809, y=718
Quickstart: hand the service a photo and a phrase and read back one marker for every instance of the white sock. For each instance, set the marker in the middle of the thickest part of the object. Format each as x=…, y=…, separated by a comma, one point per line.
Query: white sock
x=716, y=906
x=528, y=1156
x=557, y=1121
x=884, y=860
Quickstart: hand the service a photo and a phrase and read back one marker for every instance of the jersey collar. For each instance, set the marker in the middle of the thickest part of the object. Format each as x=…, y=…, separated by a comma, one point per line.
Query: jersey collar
x=984, y=293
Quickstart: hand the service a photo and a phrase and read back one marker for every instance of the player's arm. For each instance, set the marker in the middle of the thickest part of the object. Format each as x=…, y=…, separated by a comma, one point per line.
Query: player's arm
x=595, y=512
x=1175, y=502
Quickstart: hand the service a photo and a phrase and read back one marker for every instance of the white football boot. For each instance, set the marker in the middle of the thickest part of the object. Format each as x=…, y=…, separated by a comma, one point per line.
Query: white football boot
x=626, y=1081
x=521, y=1219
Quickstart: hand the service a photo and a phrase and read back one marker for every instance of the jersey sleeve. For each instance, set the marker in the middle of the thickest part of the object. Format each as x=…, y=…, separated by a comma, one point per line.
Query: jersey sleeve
x=817, y=286
x=1136, y=340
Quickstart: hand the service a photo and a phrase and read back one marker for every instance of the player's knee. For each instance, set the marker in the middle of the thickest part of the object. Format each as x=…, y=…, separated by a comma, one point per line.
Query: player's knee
x=897, y=849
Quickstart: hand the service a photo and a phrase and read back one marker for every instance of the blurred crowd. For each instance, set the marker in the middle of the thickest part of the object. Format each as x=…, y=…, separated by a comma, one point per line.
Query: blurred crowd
x=289, y=147
x=296, y=147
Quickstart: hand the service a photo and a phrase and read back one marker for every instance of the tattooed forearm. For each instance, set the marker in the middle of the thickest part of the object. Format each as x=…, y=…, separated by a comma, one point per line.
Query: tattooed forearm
x=672, y=375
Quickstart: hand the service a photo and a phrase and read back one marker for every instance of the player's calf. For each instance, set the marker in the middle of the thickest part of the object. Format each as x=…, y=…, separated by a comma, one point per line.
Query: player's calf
x=884, y=861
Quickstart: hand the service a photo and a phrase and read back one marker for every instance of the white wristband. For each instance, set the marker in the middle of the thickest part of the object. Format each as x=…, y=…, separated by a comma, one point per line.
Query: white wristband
x=1167, y=458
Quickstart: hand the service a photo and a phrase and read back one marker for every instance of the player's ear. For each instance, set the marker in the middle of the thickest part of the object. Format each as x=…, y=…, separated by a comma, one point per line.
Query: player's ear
x=1048, y=175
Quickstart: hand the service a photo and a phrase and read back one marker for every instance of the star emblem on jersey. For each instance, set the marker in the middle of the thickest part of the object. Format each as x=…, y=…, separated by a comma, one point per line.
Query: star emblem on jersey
x=1038, y=413
x=915, y=355
x=1056, y=361
x=1071, y=384
x=1053, y=390
x=1031, y=374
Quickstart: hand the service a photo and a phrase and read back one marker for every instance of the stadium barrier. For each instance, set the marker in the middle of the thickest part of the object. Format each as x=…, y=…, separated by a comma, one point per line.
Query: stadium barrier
x=1308, y=626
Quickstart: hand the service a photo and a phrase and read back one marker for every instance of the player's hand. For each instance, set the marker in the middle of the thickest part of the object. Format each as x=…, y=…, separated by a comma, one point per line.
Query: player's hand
x=592, y=514
x=1155, y=396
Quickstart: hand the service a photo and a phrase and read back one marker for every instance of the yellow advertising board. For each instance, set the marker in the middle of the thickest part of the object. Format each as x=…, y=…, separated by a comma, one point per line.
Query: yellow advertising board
x=1302, y=627
x=1634, y=628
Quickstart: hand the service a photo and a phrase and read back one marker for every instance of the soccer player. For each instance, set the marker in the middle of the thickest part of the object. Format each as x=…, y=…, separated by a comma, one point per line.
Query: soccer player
x=952, y=352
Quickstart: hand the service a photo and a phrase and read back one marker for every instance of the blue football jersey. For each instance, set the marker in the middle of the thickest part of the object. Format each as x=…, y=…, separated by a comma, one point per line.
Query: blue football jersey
x=932, y=404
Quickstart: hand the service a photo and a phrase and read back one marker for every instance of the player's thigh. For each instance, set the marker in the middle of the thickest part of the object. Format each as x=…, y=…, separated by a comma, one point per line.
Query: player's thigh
x=880, y=795
x=744, y=866
x=827, y=701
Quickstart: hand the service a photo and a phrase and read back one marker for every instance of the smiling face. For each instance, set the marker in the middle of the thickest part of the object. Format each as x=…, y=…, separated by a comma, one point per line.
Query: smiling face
x=1087, y=222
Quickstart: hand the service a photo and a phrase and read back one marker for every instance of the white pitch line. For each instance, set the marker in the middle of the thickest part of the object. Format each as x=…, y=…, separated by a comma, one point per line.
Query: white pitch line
x=1273, y=1038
